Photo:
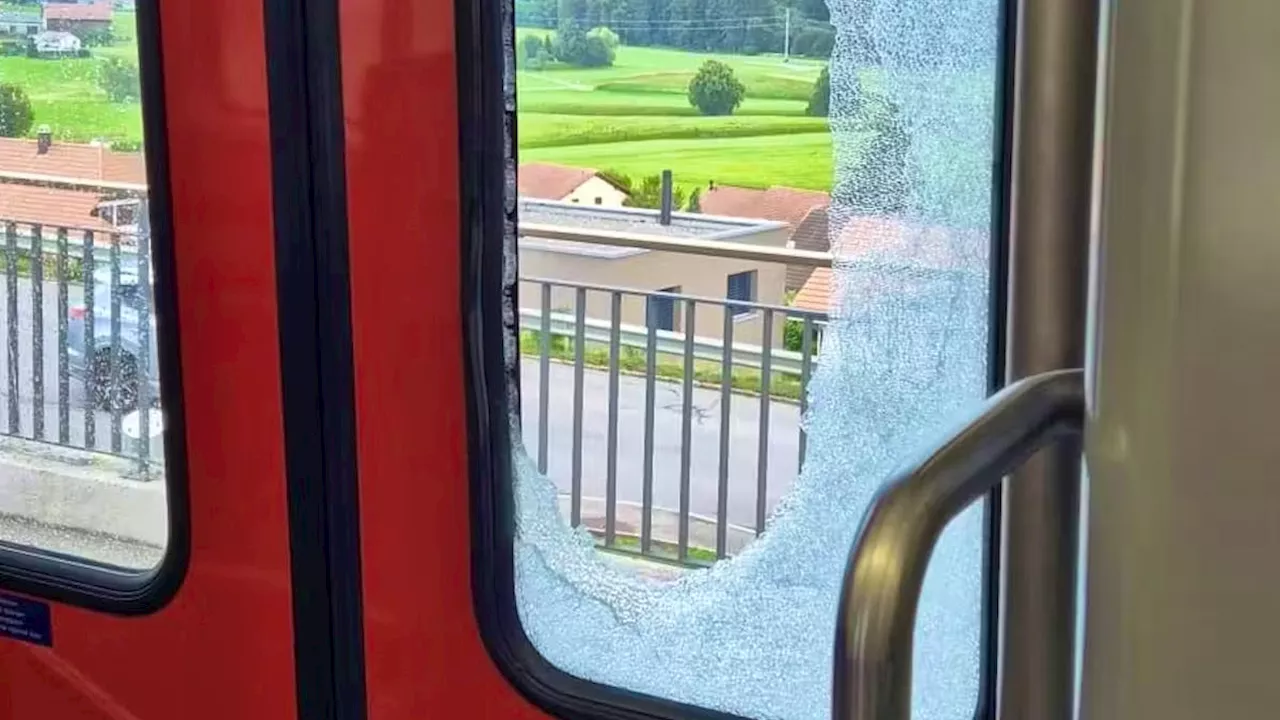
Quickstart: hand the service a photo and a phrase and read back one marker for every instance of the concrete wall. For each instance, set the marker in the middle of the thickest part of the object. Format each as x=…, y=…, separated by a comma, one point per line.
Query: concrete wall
x=697, y=275
x=588, y=192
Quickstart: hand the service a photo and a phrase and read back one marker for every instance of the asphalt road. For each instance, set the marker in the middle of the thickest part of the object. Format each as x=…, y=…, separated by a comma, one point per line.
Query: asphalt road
x=744, y=423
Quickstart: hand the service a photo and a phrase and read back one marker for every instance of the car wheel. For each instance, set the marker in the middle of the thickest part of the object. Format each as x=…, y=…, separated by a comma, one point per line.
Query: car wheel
x=116, y=392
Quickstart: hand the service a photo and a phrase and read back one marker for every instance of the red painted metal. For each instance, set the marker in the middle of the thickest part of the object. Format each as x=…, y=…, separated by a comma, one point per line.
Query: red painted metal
x=223, y=648
x=423, y=650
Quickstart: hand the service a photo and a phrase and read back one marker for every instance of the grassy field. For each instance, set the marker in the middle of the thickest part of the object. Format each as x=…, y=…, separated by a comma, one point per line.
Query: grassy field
x=65, y=94
x=633, y=117
x=802, y=161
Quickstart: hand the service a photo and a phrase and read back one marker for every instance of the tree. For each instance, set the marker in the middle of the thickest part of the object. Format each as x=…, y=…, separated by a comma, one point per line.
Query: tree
x=535, y=52
x=695, y=201
x=16, y=116
x=95, y=38
x=820, y=97
x=601, y=48
x=620, y=180
x=734, y=26
x=537, y=13
x=715, y=90
x=530, y=46
x=648, y=194
x=596, y=48
x=570, y=43
x=119, y=79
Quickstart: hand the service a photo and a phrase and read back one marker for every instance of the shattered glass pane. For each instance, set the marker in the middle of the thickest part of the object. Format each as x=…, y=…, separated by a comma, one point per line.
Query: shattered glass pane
x=912, y=106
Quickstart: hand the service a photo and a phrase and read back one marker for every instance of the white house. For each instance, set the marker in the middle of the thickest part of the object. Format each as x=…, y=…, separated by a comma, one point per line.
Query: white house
x=581, y=186
x=56, y=42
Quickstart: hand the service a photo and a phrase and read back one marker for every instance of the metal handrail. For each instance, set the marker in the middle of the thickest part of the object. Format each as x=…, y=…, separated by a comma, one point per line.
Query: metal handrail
x=877, y=616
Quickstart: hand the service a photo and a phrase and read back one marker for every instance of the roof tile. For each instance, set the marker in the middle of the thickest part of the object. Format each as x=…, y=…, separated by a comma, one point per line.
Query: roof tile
x=52, y=207
x=72, y=160
x=783, y=204
x=544, y=181
x=812, y=235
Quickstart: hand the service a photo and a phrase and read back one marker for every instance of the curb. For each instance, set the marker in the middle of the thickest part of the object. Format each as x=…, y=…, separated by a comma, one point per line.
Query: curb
x=81, y=491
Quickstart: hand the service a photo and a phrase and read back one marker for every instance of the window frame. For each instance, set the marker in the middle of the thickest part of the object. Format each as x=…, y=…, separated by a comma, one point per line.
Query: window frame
x=668, y=304
x=753, y=289
x=76, y=580
x=481, y=67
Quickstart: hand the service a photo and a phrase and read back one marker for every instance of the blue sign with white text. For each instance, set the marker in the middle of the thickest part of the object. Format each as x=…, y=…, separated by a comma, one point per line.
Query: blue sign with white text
x=25, y=619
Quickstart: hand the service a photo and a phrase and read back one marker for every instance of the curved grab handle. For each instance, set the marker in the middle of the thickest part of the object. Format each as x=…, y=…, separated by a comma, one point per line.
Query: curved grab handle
x=872, y=679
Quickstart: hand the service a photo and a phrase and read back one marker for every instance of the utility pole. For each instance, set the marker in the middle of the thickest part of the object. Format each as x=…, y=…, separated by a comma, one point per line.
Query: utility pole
x=786, y=39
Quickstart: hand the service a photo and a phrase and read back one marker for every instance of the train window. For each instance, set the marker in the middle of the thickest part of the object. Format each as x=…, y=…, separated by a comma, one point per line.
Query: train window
x=668, y=513
x=84, y=484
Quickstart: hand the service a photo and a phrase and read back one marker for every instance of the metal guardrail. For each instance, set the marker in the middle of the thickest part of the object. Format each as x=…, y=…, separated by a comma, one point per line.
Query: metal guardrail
x=668, y=342
x=114, y=373
x=583, y=331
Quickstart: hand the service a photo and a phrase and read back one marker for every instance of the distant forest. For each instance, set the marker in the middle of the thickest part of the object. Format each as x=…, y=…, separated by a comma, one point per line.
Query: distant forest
x=730, y=26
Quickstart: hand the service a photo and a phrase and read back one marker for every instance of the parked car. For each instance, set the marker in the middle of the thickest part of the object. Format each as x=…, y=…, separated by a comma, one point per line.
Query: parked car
x=116, y=390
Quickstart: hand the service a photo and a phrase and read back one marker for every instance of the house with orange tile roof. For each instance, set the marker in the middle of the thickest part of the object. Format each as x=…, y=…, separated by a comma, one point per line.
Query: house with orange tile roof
x=805, y=213
x=78, y=18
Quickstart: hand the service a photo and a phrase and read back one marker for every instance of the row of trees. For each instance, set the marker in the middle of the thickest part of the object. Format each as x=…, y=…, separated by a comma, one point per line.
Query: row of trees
x=733, y=26
x=570, y=45
x=648, y=192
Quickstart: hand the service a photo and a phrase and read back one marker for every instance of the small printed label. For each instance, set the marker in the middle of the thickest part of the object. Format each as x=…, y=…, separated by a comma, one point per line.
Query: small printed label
x=25, y=619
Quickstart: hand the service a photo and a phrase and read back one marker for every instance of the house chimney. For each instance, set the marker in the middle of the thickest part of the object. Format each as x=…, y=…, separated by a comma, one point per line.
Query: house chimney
x=44, y=140
x=664, y=215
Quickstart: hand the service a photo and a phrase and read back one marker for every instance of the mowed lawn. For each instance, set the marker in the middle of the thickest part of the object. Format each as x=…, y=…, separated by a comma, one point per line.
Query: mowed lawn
x=65, y=94
x=802, y=160
x=635, y=118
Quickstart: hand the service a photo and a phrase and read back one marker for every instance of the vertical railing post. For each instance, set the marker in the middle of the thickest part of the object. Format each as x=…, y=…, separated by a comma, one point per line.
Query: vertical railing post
x=579, y=342
x=806, y=367
x=726, y=421
x=611, y=475
x=112, y=390
x=11, y=306
x=762, y=451
x=89, y=361
x=64, y=369
x=35, y=266
x=650, y=392
x=544, y=377
x=686, y=429
x=143, y=364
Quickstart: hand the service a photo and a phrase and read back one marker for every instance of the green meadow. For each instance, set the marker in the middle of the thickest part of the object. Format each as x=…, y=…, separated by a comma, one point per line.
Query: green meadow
x=635, y=118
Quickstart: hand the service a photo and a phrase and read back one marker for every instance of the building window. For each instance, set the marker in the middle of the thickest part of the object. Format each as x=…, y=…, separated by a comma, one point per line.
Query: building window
x=660, y=310
x=742, y=286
